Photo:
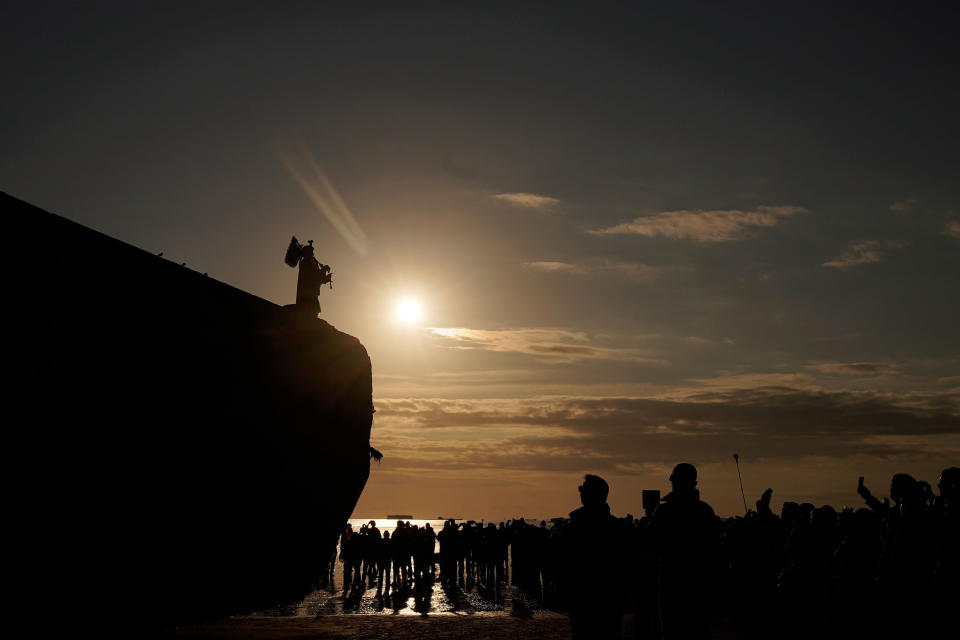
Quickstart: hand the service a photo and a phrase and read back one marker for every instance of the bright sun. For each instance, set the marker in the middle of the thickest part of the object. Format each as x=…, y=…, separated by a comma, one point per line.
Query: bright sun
x=408, y=311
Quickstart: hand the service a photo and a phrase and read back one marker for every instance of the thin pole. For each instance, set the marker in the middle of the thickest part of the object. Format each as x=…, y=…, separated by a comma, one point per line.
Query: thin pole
x=736, y=458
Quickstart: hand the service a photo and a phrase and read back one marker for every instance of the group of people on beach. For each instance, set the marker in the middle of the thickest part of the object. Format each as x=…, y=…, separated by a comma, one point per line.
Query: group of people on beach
x=369, y=556
x=888, y=569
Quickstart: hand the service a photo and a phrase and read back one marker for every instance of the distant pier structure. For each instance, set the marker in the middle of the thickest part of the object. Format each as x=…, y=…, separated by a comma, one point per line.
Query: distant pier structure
x=176, y=449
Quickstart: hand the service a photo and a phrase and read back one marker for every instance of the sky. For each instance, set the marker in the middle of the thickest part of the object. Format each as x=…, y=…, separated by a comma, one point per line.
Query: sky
x=639, y=233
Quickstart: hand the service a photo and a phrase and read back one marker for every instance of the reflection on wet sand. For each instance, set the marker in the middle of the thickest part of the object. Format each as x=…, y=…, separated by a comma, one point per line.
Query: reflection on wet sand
x=423, y=597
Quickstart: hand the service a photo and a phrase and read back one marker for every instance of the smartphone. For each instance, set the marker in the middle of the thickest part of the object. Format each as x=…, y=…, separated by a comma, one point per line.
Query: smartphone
x=651, y=498
x=860, y=483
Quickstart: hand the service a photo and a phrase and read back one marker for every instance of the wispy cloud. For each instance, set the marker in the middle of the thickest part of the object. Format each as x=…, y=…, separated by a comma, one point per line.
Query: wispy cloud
x=700, y=341
x=952, y=229
x=549, y=266
x=574, y=433
x=735, y=381
x=564, y=344
x=631, y=270
x=904, y=206
x=528, y=200
x=721, y=225
x=861, y=252
x=864, y=369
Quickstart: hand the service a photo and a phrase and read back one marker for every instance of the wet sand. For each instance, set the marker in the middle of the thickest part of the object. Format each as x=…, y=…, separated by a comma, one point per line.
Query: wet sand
x=465, y=612
x=497, y=626
x=468, y=611
x=482, y=626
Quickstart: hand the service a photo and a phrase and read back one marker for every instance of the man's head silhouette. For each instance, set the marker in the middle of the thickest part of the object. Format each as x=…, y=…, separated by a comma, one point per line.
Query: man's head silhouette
x=902, y=486
x=594, y=490
x=684, y=477
x=949, y=483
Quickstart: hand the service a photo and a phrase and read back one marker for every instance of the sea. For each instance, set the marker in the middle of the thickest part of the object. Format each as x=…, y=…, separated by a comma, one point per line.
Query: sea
x=389, y=524
x=385, y=524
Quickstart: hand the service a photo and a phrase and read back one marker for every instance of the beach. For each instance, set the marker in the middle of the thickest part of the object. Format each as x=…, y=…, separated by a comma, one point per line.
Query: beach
x=467, y=611
x=498, y=626
x=445, y=615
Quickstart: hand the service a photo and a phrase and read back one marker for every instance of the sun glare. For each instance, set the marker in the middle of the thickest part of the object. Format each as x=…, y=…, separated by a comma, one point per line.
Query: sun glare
x=408, y=311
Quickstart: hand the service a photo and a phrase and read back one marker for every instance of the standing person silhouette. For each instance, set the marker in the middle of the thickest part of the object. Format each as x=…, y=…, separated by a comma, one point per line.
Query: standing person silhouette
x=686, y=536
x=947, y=512
x=593, y=547
x=311, y=276
x=383, y=565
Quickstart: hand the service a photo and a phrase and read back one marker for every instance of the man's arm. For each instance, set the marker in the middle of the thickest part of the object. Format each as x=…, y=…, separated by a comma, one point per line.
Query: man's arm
x=763, y=505
x=875, y=505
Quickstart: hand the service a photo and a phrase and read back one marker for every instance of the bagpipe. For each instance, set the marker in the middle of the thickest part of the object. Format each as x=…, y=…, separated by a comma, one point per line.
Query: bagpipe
x=297, y=252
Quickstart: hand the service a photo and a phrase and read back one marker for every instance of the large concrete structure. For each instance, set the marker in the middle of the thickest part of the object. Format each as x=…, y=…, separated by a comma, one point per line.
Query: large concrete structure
x=177, y=449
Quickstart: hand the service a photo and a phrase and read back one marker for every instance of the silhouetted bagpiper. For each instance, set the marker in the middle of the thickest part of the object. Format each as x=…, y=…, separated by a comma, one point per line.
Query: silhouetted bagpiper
x=312, y=275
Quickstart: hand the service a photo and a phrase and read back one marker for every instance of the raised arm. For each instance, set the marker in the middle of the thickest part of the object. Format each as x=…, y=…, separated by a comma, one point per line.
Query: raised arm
x=875, y=505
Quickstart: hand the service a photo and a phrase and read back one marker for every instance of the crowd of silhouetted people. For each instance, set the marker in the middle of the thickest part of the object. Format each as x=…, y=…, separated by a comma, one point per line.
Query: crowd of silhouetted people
x=888, y=569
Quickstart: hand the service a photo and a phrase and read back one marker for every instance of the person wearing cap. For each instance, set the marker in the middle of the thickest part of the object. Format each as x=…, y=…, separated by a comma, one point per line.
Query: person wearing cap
x=686, y=537
x=593, y=548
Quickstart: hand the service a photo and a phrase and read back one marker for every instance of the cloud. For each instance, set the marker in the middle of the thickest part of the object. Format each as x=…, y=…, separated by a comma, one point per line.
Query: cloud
x=700, y=341
x=632, y=270
x=703, y=226
x=734, y=381
x=572, y=433
x=861, y=252
x=562, y=343
x=635, y=271
x=528, y=200
x=952, y=229
x=855, y=368
x=549, y=266
x=904, y=206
